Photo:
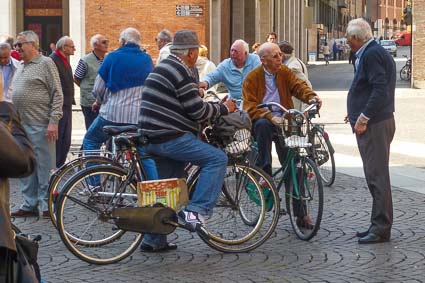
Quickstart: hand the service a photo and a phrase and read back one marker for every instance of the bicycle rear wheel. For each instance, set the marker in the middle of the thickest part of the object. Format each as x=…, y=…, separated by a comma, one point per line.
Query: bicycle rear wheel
x=405, y=73
x=304, y=202
x=246, y=213
x=63, y=174
x=324, y=156
x=84, y=218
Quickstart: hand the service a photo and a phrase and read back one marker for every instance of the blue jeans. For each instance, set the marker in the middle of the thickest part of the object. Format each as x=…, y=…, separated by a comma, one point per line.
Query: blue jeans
x=34, y=187
x=95, y=137
x=213, y=164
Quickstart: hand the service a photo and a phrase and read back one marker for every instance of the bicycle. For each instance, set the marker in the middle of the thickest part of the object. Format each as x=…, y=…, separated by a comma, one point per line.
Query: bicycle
x=88, y=223
x=299, y=173
x=406, y=71
x=84, y=158
x=321, y=151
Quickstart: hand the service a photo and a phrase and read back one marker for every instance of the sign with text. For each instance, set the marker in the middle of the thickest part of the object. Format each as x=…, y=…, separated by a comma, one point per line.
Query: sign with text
x=189, y=10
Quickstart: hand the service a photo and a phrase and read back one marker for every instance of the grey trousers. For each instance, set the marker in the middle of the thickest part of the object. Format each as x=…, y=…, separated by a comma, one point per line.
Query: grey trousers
x=374, y=147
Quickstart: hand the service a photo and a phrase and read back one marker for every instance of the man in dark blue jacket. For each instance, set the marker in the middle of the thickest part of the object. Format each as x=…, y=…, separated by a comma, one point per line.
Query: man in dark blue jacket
x=370, y=108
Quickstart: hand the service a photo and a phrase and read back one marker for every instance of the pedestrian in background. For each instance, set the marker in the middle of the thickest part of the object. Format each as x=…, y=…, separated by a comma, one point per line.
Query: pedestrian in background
x=16, y=160
x=255, y=47
x=8, y=66
x=326, y=53
x=297, y=66
x=163, y=40
x=370, y=108
x=271, y=37
x=13, y=52
x=86, y=73
x=64, y=48
x=203, y=64
x=37, y=95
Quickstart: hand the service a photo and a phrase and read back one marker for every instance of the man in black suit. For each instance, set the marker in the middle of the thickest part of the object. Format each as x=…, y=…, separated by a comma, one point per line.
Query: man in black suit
x=370, y=107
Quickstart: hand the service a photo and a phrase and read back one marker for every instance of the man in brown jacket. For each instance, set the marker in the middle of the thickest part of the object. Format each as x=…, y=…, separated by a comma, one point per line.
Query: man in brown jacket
x=269, y=82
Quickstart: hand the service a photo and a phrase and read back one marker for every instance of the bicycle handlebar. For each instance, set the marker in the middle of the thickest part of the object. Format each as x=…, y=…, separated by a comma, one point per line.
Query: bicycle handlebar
x=283, y=110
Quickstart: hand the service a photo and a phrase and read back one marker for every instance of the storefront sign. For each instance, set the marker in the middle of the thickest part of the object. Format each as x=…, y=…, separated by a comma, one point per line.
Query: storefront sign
x=189, y=10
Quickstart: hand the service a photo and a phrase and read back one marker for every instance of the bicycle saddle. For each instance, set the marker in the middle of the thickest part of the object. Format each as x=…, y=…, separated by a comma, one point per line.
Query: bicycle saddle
x=116, y=130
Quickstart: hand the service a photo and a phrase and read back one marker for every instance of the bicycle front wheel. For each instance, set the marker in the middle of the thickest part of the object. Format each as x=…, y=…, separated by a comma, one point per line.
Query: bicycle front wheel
x=405, y=73
x=324, y=157
x=84, y=219
x=246, y=213
x=304, y=199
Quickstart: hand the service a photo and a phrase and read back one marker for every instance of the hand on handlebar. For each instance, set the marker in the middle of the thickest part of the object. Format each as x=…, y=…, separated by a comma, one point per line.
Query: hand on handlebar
x=276, y=120
x=230, y=104
x=317, y=100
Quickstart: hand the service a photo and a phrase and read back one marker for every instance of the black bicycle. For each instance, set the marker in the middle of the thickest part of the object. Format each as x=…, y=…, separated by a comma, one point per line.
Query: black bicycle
x=406, y=71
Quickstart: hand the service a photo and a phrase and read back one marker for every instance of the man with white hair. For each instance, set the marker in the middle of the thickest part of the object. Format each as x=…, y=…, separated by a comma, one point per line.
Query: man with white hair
x=233, y=71
x=86, y=73
x=64, y=48
x=37, y=95
x=164, y=41
x=370, y=112
x=8, y=66
x=118, y=91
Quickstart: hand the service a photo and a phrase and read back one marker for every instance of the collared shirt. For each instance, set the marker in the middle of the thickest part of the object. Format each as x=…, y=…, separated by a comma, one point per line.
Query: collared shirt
x=231, y=76
x=37, y=92
x=272, y=93
x=360, y=52
x=8, y=72
x=120, y=107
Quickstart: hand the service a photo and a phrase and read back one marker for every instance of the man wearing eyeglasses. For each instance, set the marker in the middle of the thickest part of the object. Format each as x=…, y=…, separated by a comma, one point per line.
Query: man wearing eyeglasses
x=64, y=48
x=85, y=75
x=37, y=95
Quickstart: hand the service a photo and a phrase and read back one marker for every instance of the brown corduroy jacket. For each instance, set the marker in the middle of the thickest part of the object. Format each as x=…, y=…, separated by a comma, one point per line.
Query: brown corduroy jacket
x=288, y=85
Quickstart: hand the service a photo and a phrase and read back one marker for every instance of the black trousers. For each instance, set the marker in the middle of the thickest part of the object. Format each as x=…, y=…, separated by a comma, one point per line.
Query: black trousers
x=89, y=116
x=374, y=147
x=63, y=142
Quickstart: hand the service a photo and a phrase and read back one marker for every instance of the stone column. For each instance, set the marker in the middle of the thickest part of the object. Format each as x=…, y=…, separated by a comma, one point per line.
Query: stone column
x=418, y=44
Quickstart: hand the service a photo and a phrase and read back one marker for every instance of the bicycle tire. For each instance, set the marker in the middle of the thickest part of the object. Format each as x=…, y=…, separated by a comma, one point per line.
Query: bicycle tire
x=405, y=73
x=63, y=174
x=323, y=155
x=311, y=190
x=83, y=222
x=227, y=230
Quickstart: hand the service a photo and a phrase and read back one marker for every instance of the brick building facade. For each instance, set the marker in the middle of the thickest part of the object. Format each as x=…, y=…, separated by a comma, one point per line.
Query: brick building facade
x=149, y=16
x=418, y=44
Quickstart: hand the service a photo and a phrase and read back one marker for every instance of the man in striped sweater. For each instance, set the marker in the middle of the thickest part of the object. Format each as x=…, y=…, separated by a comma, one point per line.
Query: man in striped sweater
x=170, y=116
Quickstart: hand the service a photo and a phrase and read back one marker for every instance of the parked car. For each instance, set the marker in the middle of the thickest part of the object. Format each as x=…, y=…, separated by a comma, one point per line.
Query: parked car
x=390, y=46
x=403, y=38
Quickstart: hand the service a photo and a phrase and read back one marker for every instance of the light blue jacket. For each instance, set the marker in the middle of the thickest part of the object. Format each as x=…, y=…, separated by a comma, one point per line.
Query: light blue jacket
x=7, y=90
x=231, y=76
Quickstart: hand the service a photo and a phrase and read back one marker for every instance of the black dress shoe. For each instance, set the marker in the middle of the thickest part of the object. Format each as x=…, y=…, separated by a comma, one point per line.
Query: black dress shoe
x=362, y=234
x=149, y=249
x=372, y=238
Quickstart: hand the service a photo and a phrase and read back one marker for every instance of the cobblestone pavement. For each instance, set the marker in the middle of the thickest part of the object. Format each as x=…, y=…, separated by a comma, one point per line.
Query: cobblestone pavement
x=332, y=256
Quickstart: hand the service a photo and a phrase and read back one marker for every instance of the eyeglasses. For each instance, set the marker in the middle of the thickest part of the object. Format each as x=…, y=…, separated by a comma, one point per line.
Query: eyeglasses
x=71, y=46
x=19, y=44
x=105, y=41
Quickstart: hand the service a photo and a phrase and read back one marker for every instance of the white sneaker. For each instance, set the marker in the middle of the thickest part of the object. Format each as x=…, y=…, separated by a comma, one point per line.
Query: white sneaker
x=192, y=221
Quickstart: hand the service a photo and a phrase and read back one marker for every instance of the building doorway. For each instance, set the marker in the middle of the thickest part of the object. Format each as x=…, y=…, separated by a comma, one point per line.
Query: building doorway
x=44, y=17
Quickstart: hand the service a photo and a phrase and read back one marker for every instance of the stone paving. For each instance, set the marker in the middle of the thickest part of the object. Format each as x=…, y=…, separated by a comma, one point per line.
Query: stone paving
x=332, y=256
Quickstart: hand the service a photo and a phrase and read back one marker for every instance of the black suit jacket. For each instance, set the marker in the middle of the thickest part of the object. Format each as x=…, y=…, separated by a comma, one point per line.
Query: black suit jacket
x=67, y=80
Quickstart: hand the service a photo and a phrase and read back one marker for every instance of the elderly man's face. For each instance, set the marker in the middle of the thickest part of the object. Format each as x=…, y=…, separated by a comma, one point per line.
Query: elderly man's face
x=238, y=55
x=68, y=48
x=272, y=61
x=4, y=56
x=26, y=49
x=102, y=44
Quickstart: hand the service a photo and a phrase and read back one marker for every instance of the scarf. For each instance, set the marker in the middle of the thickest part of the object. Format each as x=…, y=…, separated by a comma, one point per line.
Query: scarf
x=63, y=58
x=125, y=67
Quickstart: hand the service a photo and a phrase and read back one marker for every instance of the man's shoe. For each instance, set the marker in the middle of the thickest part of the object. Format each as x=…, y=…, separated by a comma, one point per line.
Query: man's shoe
x=191, y=220
x=24, y=213
x=46, y=214
x=149, y=249
x=372, y=238
x=362, y=234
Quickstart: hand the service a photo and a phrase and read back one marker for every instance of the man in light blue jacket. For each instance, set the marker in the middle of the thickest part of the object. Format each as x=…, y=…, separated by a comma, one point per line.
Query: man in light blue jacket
x=8, y=66
x=233, y=71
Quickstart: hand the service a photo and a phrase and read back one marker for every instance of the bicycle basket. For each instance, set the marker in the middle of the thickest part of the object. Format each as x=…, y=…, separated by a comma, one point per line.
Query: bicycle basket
x=294, y=130
x=241, y=142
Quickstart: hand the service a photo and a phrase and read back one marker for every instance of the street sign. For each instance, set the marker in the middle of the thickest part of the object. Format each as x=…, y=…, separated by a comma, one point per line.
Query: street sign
x=189, y=10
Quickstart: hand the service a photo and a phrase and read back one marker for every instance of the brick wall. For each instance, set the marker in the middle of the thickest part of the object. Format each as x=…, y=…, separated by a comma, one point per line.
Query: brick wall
x=418, y=43
x=149, y=17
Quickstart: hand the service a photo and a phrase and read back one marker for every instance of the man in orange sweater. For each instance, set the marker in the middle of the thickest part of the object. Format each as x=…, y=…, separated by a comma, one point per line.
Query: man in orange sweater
x=269, y=82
